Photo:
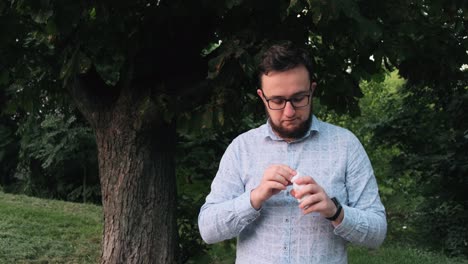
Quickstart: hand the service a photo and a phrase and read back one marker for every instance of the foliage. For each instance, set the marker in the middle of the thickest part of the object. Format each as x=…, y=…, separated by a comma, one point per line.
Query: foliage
x=430, y=130
x=419, y=161
x=58, y=158
x=198, y=156
x=195, y=60
x=429, y=126
x=59, y=40
x=381, y=99
x=9, y=145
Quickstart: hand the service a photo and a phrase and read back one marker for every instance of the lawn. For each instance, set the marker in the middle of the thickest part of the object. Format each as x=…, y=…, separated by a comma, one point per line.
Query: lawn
x=36, y=230
x=394, y=254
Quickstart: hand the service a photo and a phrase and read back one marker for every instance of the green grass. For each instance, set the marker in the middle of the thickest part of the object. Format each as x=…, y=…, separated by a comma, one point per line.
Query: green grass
x=222, y=253
x=394, y=254
x=36, y=230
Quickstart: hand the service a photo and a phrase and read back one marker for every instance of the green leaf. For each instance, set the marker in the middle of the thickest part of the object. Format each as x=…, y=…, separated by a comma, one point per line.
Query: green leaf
x=247, y=64
x=293, y=7
x=316, y=10
x=84, y=63
x=292, y=3
x=42, y=16
x=210, y=48
x=233, y=3
x=207, y=119
x=70, y=121
x=220, y=114
x=51, y=28
x=109, y=69
x=92, y=13
x=68, y=67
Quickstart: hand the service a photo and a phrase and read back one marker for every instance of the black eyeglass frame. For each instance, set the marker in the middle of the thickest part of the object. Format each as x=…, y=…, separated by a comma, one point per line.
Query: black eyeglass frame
x=287, y=100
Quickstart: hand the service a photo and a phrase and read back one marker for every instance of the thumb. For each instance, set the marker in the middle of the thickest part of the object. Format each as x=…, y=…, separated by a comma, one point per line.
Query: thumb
x=305, y=180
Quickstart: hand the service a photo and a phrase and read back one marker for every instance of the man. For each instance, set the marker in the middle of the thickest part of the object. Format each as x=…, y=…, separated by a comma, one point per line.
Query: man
x=252, y=197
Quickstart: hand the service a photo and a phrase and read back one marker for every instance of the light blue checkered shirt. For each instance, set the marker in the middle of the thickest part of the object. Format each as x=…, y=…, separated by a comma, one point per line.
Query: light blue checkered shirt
x=277, y=233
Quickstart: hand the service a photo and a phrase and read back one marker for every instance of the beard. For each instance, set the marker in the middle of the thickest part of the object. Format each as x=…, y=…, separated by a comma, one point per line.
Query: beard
x=295, y=133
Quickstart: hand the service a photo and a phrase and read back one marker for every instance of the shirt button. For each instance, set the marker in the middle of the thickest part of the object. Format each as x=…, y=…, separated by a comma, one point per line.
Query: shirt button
x=286, y=220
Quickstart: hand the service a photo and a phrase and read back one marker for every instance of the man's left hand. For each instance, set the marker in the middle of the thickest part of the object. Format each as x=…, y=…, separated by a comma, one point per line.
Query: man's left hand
x=315, y=199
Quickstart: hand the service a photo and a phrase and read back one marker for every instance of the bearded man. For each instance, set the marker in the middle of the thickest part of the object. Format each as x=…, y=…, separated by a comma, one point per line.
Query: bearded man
x=296, y=189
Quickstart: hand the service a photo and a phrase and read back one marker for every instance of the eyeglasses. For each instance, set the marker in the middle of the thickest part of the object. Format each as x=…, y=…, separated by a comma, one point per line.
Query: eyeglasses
x=278, y=103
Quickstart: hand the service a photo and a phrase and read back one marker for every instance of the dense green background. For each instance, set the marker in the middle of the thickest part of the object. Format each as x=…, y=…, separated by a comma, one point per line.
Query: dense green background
x=63, y=146
x=393, y=72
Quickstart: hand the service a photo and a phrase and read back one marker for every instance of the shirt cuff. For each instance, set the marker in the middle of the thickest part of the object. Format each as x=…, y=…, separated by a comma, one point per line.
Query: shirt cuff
x=244, y=210
x=349, y=223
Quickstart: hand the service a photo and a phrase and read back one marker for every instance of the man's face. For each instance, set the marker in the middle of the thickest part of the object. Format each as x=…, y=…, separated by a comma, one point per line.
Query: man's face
x=290, y=122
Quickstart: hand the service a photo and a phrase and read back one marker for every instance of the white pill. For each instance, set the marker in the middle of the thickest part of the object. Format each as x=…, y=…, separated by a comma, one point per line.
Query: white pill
x=297, y=187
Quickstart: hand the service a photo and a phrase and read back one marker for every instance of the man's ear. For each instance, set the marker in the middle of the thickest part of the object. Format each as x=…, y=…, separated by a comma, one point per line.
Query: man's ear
x=312, y=87
x=260, y=93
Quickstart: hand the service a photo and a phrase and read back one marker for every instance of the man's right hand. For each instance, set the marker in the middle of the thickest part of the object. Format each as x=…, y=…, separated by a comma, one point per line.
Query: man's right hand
x=275, y=179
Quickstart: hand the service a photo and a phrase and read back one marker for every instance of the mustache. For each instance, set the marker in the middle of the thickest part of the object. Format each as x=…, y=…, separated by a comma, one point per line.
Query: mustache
x=298, y=132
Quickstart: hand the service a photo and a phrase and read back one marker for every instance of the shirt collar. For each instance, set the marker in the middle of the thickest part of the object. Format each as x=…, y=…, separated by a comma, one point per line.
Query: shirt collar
x=314, y=126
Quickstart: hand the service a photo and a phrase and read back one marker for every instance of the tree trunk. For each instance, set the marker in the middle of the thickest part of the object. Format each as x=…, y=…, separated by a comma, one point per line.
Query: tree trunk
x=138, y=190
x=137, y=173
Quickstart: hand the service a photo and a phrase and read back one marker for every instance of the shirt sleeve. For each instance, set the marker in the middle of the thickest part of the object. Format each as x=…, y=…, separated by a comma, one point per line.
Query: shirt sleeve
x=364, y=221
x=227, y=209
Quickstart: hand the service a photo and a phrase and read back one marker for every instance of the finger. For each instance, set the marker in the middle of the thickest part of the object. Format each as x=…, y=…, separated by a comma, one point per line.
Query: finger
x=310, y=201
x=282, y=179
x=308, y=189
x=286, y=172
x=283, y=170
x=293, y=193
x=277, y=166
x=310, y=209
x=317, y=207
x=305, y=180
x=275, y=177
x=272, y=185
x=288, y=169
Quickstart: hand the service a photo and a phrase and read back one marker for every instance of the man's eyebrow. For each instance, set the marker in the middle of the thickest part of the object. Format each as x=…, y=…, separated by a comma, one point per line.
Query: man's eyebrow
x=300, y=93
x=293, y=95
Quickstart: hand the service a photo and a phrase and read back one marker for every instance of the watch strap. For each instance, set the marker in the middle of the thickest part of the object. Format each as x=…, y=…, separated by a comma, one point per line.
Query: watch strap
x=338, y=209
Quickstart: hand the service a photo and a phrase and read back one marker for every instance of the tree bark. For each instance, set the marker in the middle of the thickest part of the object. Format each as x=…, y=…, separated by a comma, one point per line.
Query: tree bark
x=138, y=190
x=137, y=173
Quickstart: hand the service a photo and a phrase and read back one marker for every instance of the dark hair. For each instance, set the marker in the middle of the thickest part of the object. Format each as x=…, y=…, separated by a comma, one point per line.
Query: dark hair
x=283, y=57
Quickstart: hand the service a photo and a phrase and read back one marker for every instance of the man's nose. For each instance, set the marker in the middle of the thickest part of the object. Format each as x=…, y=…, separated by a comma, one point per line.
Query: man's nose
x=289, y=109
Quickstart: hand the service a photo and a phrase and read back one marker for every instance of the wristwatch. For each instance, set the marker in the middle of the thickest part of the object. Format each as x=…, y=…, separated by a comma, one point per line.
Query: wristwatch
x=338, y=209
